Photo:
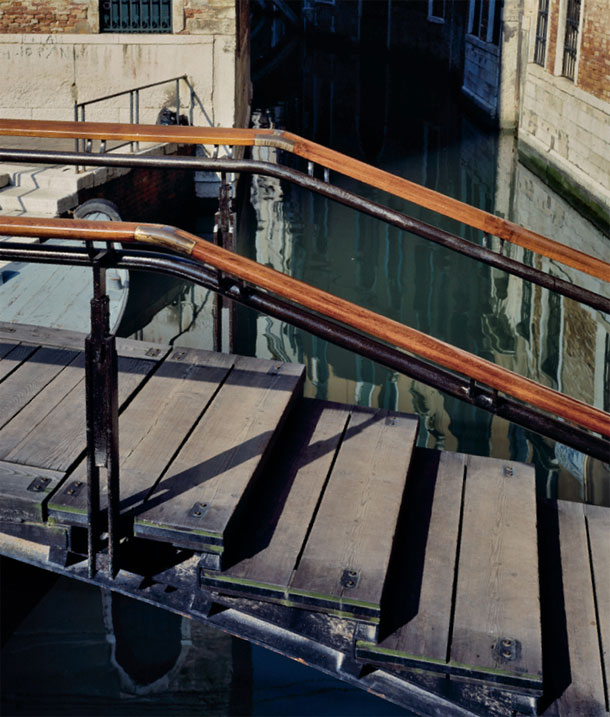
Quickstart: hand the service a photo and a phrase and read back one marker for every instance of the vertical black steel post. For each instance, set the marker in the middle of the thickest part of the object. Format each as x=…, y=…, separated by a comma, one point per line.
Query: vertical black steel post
x=223, y=236
x=102, y=419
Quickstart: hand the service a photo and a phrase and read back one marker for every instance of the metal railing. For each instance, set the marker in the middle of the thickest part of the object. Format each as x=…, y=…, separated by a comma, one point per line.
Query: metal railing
x=134, y=108
x=458, y=372
x=329, y=160
x=401, y=348
x=484, y=254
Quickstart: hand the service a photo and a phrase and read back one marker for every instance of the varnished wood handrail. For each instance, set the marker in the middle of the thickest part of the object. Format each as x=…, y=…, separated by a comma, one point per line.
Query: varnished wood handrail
x=323, y=303
x=348, y=166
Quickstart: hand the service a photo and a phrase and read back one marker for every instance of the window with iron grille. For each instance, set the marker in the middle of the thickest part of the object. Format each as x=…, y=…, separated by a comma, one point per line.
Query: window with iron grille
x=541, y=27
x=570, y=45
x=136, y=16
x=486, y=20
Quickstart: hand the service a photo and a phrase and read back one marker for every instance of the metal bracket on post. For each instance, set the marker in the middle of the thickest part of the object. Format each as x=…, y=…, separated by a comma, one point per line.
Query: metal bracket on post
x=223, y=236
x=102, y=419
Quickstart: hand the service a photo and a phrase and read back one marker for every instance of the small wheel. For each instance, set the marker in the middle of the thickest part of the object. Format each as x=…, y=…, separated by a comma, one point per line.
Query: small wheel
x=101, y=210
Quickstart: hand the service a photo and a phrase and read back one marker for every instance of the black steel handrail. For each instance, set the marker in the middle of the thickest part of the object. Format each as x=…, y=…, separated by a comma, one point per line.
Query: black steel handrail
x=253, y=297
x=343, y=196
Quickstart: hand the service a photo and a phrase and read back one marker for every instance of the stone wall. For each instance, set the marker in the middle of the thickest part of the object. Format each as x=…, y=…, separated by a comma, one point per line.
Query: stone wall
x=563, y=127
x=57, y=58
x=205, y=17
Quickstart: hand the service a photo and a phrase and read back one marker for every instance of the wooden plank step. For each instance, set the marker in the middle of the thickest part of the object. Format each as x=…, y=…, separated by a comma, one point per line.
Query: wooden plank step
x=153, y=427
x=197, y=499
x=12, y=355
x=18, y=389
x=23, y=491
x=50, y=430
x=276, y=524
x=42, y=336
x=470, y=585
x=574, y=672
x=321, y=535
x=56, y=536
x=416, y=622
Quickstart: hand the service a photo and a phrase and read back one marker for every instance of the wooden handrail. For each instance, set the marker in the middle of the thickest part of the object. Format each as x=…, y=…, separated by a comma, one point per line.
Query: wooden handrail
x=323, y=303
x=348, y=166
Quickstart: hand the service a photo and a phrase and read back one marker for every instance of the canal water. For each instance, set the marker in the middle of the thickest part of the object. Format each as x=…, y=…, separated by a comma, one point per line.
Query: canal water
x=75, y=650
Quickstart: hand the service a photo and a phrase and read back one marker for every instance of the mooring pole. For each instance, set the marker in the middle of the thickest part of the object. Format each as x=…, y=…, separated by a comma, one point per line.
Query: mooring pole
x=102, y=420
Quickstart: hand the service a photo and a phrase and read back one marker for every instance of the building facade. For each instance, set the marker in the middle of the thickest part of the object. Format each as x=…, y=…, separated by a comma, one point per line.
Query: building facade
x=564, y=123
x=57, y=53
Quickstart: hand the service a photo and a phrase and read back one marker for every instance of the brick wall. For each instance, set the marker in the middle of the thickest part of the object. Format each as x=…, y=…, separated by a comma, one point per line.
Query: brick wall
x=150, y=195
x=44, y=16
x=551, y=43
x=594, y=62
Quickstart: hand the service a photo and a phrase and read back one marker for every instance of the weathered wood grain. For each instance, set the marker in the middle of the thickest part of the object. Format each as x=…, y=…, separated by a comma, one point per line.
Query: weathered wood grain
x=12, y=356
x=276, y=525
x=496, y=630
x=18, y=389
x=202, y=489
x=420, y=606
x=59, y=438
x=42, y=336
x=24, y=490
x=598, y=526
x=26, y=422
x=346, y=556
x=152, y=429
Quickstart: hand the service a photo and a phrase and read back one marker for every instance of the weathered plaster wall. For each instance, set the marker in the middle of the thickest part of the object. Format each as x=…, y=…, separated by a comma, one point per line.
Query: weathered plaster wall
x=55, y=63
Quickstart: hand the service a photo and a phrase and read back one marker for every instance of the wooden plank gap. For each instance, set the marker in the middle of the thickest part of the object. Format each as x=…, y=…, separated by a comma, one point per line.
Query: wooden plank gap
x=188, y=434
x=457, y=565
x=601, y=589
x=156, y=360
x=42, y=366
x=321, y=496
x=13, y=359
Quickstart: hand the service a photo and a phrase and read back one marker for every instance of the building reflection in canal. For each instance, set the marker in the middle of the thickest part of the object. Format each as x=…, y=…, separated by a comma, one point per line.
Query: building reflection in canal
x=425, y=137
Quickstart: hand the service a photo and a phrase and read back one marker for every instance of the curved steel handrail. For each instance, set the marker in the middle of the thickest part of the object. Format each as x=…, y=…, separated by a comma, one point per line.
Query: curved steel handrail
x=343, y=196
x=323, y=303
x=331, y=159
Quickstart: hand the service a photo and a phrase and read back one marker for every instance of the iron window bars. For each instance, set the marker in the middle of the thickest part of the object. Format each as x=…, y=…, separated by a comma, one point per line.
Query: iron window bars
x=541, y=30
x=136, y=16
x=570, y=45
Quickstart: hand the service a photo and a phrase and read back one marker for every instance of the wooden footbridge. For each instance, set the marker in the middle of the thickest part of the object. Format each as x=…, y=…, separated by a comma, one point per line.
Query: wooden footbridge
x=205, y=483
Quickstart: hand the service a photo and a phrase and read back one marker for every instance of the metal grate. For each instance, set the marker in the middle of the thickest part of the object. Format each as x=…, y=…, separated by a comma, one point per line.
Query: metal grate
x=541, y=28
x=570, y=45
x=136, y=16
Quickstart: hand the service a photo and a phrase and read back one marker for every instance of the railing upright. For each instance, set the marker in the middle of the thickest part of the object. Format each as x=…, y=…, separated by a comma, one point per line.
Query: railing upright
x=102, y=420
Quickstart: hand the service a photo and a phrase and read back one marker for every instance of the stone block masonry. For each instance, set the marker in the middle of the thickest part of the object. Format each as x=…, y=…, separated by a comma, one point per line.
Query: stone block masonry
x=563, y=124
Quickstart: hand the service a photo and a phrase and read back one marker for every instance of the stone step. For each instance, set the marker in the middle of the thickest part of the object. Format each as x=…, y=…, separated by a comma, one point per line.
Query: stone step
x=39, y=201
x=29, y=176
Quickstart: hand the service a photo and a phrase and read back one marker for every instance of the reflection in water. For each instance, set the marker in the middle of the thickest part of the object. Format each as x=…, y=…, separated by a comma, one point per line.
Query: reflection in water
x=84, y=651
x=423, y=135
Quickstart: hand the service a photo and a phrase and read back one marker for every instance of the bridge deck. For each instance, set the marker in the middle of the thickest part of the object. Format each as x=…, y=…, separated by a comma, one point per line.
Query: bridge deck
x=317, y=529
